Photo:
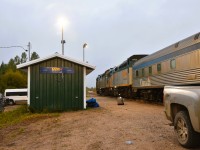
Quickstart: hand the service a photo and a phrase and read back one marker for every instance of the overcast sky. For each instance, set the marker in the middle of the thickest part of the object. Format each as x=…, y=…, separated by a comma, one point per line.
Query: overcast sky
x=113, y=29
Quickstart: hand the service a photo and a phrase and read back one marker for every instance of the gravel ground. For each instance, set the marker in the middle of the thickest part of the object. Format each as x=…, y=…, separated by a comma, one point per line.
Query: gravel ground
x=135, y=125
x=11, y=107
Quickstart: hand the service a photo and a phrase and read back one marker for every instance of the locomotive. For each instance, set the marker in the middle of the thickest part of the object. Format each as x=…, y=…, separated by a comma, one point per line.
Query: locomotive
x=144, y=76
x=117, y=80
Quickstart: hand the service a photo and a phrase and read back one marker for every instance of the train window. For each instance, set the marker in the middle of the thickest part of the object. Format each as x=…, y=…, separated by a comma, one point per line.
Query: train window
x=176, y=45
x=173, y=64
x=150, y=70
x=143, y=72
x=123, y=65
x=196, y=36
x=137, y=73
x=159, y=67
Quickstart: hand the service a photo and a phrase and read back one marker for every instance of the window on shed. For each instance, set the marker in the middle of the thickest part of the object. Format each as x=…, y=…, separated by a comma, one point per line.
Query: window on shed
x=150, y=70
x=143, y=72
x=137, y=73
x=159, y=67
x=173, y=64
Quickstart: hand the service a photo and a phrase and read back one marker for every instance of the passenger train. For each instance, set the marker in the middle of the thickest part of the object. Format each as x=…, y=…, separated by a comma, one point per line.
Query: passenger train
x=144, y=76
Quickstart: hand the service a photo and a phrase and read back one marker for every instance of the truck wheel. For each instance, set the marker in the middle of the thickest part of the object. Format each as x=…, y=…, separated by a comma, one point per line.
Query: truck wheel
x=186, y=136
x=11, y=102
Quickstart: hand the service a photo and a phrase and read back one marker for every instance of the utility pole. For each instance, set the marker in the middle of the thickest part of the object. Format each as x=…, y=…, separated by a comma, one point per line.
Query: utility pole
x=29, y=50
x=62, y=42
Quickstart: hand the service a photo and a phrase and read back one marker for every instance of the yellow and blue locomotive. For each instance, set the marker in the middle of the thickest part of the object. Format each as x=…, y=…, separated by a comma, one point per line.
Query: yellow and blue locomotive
x=142, y=76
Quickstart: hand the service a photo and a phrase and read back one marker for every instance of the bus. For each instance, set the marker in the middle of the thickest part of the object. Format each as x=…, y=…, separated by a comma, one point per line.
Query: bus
x=14, y=96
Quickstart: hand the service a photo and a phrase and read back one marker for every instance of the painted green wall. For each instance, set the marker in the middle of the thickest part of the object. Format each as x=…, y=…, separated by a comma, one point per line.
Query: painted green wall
x=51, y=92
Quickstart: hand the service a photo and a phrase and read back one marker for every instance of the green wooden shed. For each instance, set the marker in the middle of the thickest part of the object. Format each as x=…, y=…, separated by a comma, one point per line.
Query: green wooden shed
x=56, y=83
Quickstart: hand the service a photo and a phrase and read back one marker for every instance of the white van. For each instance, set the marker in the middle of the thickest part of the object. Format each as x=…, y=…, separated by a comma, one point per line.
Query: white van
x=14, y=96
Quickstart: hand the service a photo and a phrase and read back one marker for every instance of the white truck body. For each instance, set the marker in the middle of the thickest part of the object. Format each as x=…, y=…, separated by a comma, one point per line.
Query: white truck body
x=16, y=95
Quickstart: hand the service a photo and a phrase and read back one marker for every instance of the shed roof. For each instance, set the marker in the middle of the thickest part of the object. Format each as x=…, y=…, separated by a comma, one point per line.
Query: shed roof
x=89, y=68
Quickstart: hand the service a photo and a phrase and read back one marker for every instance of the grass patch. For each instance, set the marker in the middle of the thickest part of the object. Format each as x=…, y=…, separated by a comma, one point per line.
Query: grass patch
x=21, y=114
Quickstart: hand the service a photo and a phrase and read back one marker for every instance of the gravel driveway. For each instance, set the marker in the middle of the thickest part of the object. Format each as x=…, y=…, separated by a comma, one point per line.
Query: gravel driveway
x=135, y=125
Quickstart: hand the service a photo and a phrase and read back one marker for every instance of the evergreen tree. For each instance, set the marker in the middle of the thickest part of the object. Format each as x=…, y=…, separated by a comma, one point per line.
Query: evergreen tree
x=23, y=57
x=17, y=60
x=34, y=55
x=3, y=68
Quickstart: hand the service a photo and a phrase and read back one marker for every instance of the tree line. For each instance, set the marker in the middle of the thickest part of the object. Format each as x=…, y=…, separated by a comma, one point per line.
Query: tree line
x=10, y=76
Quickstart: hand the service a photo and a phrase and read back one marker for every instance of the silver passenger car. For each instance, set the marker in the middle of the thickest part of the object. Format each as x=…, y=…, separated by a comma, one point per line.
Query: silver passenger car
x=177, y=64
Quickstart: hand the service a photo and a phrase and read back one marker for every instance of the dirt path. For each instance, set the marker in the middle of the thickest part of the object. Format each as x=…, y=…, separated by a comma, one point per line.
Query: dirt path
x=107, y=128
x=11, y=107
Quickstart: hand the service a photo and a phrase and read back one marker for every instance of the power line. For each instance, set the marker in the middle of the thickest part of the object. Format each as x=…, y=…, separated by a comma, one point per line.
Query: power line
x=14, y=46
x=27, y=50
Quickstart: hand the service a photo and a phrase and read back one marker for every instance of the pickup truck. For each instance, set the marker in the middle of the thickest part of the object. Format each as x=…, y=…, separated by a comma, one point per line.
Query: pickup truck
x=182, y=108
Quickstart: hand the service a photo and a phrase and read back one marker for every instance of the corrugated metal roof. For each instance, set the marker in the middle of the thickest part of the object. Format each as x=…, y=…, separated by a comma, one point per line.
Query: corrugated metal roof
x=89, y=67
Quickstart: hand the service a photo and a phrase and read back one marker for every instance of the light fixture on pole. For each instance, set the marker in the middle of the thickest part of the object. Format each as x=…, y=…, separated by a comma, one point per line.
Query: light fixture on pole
x=62, y=22
x=62, y=42
x=27, y=50
x=84, y=46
